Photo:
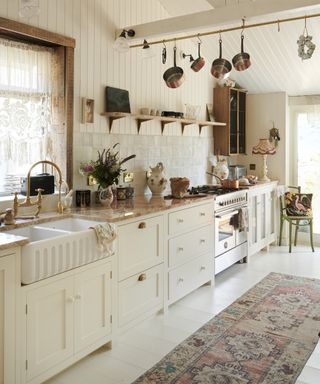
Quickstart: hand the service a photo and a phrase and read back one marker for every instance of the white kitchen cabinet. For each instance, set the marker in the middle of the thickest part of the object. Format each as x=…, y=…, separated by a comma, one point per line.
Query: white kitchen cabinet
x=140, y=269
x=189, y=276
x=64, y=317
x=7, y=317
x=191, y=217
x=190, y=261
x=262, y=217
x=140, y=246
x=140, y=294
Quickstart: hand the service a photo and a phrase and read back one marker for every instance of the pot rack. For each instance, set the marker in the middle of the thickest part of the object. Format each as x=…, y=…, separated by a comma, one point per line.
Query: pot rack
x=242, y=27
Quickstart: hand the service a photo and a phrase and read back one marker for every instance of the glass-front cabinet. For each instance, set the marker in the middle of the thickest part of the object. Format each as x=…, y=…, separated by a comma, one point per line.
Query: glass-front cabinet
x=229, y=106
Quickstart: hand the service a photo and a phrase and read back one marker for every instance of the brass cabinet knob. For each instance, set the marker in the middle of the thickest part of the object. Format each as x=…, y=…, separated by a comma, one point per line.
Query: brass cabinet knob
x=202, y=241
x=202, y=213
x=142, y=277
x=142, y=225
x=180, y=220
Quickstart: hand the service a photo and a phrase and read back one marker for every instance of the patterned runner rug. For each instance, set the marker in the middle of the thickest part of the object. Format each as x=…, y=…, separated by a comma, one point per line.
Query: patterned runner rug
x=266, y=336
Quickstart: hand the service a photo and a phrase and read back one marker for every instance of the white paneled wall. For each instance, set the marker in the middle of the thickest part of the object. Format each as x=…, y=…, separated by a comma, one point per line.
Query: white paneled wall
x=93, y=23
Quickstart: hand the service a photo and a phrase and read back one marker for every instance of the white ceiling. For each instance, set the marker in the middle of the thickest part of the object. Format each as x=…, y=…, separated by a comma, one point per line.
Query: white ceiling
x=275, y=63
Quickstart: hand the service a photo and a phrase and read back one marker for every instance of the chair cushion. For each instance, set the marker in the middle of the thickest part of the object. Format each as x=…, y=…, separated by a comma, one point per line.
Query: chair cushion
x=298, y=204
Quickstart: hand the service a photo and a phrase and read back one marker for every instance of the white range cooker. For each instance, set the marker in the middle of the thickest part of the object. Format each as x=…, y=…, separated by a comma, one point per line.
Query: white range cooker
x=230, y=210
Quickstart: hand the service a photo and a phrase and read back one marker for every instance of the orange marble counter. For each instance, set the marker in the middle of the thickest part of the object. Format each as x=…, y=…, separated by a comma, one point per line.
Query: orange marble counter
x=119, y=211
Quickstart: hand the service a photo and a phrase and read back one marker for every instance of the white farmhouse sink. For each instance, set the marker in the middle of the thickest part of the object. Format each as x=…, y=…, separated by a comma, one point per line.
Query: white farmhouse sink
x=56, y=247
x=36, y=233
x=70, y=224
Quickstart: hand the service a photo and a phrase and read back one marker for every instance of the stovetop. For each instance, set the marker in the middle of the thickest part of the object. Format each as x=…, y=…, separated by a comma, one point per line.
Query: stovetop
x=211, y=189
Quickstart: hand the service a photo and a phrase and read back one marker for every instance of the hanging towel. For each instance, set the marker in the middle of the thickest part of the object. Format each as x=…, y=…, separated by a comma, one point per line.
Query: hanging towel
x=106, y=235
x=243, y=219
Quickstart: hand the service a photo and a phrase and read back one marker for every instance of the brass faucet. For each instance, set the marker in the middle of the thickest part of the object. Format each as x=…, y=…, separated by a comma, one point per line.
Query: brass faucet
x=28, y=202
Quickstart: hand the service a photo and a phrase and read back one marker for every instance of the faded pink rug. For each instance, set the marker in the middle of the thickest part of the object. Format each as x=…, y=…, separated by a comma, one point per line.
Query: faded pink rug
x=266, y=336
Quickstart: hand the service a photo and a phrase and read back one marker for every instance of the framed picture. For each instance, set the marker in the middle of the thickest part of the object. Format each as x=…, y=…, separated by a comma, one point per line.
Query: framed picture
x=210, y=116
x=117, y=100
x=87, y=110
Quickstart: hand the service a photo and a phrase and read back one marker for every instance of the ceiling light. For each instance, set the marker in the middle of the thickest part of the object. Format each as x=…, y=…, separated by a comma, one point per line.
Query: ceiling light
x=121, y=43
x=147, y=51
x=29, y=8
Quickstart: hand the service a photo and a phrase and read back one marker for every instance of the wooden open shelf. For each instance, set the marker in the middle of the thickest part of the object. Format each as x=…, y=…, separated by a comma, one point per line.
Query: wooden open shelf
x=164, y=120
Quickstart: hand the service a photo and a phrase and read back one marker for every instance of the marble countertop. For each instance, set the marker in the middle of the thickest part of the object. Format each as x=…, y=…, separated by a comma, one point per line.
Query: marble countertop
x=119, y=211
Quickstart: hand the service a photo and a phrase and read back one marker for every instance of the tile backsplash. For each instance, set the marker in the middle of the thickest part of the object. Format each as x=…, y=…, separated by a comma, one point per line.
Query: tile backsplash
x=182, y=156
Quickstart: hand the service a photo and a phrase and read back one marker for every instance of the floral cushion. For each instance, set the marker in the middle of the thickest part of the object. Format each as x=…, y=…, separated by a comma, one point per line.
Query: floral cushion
x=298, y=204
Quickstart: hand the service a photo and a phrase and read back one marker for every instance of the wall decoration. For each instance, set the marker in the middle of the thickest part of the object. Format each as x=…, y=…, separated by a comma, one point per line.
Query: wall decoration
x=87, y=111
x=305, y=46
x=117, y=100
x=274, y=135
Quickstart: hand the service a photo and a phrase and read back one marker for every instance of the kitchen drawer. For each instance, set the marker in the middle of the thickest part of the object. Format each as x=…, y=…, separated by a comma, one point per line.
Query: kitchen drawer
x=184, y=279
x=188, y=218
x=190, y=245
x=140, y=246
x=139, y=294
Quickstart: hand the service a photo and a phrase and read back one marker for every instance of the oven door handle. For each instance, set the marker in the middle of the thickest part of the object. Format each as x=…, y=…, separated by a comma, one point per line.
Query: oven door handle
x=229, y=214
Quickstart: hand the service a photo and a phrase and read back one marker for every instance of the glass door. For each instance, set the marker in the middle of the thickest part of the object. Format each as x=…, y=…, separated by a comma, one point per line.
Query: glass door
x=233, y=121
x=307, y=157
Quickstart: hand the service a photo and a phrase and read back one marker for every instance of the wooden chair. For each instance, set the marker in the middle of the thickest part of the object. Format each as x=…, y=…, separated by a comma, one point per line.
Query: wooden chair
x=297, y=221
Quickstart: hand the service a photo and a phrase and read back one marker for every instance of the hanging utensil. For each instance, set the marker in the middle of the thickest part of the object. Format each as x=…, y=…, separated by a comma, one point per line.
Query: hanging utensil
x=220, y=68
x=164, y=53
x=199, y=62
x=241, y=61
x=174, y=76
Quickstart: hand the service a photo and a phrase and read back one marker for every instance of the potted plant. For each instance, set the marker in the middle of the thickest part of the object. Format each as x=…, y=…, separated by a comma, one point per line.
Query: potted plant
x=106, y=170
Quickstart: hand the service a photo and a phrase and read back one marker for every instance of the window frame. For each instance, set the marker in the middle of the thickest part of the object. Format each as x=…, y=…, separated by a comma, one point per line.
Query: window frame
x=26, y=33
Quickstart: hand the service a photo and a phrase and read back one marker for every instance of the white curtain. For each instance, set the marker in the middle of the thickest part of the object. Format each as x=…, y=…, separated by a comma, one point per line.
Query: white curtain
x=25, y=107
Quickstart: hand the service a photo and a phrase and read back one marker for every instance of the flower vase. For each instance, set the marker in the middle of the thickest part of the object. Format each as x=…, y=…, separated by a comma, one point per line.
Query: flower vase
x=106, y=196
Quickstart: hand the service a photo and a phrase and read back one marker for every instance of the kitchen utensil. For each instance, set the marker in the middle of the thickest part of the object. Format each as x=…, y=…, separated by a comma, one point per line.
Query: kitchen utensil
x=164, y=53
x=174, y=76
x=241, y=61
x=226, y=183
x=220, y=68
x=199, y=62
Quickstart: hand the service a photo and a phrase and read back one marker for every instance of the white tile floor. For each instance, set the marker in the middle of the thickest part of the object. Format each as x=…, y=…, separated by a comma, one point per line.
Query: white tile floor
x=141, y=347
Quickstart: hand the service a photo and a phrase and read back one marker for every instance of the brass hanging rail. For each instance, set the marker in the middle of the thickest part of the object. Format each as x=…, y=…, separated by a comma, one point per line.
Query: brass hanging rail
x=247, y=26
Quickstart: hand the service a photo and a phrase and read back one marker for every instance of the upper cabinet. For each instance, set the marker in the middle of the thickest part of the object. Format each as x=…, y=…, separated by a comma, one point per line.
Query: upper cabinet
x=229, y=106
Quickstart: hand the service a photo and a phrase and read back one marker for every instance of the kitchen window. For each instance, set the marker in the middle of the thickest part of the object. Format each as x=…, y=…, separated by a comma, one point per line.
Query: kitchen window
x=36, y=101
x=26, y=134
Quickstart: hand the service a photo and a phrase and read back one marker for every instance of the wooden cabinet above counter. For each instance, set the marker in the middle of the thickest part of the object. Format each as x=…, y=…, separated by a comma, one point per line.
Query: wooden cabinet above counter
x=229, y=106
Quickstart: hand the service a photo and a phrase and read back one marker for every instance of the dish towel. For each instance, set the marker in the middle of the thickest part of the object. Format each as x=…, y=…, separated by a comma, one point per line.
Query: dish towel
x=243, y=219
x=106, y=234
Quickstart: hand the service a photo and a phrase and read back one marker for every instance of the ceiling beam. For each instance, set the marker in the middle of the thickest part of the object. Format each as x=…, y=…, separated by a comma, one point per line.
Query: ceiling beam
x=216, y=17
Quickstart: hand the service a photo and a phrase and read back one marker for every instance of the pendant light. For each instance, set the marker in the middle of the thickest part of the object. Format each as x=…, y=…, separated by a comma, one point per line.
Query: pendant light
x=147, y=51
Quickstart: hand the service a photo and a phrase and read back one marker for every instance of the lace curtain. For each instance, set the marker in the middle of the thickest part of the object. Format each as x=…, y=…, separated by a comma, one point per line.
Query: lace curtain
x=25, y=108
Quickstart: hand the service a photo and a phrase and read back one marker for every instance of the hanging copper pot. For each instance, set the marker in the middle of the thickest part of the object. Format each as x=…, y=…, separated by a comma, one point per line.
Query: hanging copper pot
x=199, y=62
x=241, y=61
x=174, y=76
x=220, y=68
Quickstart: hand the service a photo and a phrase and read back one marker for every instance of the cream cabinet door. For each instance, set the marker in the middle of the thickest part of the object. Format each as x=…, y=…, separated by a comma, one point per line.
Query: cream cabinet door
x=140, y=246
x=7, y=320
x=49, y=326
x=92, y=293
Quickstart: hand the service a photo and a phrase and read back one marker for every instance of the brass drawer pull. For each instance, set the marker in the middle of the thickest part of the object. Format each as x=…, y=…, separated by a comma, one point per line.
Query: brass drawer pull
x=180, y=249
x=142, y=277
x=142, y=225
x=180, y=220
x=202, y=213
x=202, y=241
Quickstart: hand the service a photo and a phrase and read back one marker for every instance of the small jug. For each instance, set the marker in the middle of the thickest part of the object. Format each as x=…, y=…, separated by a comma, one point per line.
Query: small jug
x=156, y=179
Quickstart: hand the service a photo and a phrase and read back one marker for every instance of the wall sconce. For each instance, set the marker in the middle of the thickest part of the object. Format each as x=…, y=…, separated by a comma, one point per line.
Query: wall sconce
x=264, y=148
x=121, y=43
x=147, y=51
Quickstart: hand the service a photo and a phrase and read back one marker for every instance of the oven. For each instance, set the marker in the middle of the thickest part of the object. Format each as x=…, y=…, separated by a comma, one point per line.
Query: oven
x=230, y=230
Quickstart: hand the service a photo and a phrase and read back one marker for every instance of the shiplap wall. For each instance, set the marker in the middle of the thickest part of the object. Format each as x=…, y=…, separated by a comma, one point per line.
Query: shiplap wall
x=93, y=23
